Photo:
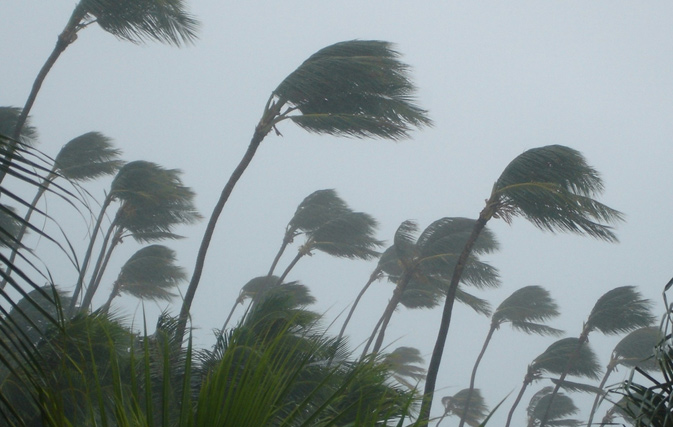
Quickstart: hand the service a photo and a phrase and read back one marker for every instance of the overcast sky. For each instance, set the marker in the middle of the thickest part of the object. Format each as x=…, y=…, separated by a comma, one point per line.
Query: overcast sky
x=497, y=78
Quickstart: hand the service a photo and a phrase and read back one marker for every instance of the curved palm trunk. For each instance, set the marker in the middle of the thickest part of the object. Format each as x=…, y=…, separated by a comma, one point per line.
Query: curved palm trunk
x=286, y=241
x=101, y=265
x=226, y=322
x=289, y=268
x=87, y=255
x=594, y=407
x=435, y=361
x=371, y=338
x=474, y=374
x=67, y=36
x=113, y=294
x=261, y=130
x=24, y=226
x=372, y=278
x=584, y=337
x=526, y=381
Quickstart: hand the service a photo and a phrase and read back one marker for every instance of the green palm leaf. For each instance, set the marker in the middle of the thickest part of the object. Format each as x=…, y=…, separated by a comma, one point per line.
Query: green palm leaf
x=555, y=358
x=525, y=308
x=561, y=407
x=455, y=405
x=8, y=119
x=316, y=209
x=87, y=157
x=403, y=363
x=351, y=235
x=637, y=348
x=620, y=310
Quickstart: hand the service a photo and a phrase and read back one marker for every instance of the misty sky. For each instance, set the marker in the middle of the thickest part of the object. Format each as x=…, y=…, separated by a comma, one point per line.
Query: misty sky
x=497, y=78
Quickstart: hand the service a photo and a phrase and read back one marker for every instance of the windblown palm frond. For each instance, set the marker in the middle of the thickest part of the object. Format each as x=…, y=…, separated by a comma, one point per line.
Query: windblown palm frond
x=357, y=88
x=8, y=119
x=637, y=348
x=561, y=407
x=620, y=310
x=316, y=209
x=455, y=405
x=553, y=187
x=555, y=358
x=404, y=363
x=87, y=157
x=137, y=21
x=526, y=308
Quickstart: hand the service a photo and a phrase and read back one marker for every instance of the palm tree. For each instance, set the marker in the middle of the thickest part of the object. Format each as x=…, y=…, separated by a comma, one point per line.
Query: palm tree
x=314, y=211
x=554, y=361
x=150, y=274
x=83, y=158
x=524, y=310
x=619, y=310
x=422, y=263
x=553, y=187
x=357, y=88
x=403, y=363
x=137, y=21
x=561, y=407
x=635, y=349
x=455, y=405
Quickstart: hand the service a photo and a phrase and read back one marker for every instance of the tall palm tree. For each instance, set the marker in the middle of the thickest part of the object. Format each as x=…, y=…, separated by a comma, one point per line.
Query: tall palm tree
x=554, y=360
x=314, y=211
x=137, y=21
x=428, y=258
x=525, y=310
x=561, y=407
x=554, y=188
x=356, y=88
x=150, y=274
x=455, y=405
x=619, y=310
x=83, y=158
x=635, y=349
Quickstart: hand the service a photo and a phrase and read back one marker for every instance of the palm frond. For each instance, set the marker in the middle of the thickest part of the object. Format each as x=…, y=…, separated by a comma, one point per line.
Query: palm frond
x=577, y=387
x=357, y=88
x=555, y=359
x=137, y=21
x=350, y=235
x=477, y=304
x=403, y=362
x=455, y=405
x=525, y=308
x=561, y=407
x=404, y=242
x=637, y=348
x=8, y=119
x=87, y=157
x=622, y=309
x=317, y=208
x=151, y=274
x=536, y=328
x=553, y=187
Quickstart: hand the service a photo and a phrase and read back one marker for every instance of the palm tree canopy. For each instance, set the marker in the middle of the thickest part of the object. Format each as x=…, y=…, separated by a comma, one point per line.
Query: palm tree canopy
x=357, y=88
x=620, y=310
x=265, y=287
x=555, y=358
x=525, y=309
x=137, y=21
x=8, y=119
x=561, y=406
x=553, y=187
x=477, y=410
x=87, y=157
x=151, y=274
x=350, y=235
x=405, y=362
x=637, y=348
x=316, y=209
x=10, y=226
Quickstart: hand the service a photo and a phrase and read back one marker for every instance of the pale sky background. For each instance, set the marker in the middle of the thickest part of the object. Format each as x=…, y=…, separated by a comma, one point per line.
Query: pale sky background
x=497, y=78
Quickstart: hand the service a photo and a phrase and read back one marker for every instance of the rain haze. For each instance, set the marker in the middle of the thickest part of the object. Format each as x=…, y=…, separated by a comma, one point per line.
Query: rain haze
x=497, y=78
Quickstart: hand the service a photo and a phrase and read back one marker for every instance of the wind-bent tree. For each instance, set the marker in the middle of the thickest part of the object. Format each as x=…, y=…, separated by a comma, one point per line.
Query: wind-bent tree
x=554, y=361
x=83, y=158
x=560, y=408
x=314, y=211
x=554, y=188
x=635, y=349
x=421, y=265
x=356, y=88
x=404, y=364
x=165, y=21
x=455, y=405
x=150, y=274
x=525, y=310
x=619, y=310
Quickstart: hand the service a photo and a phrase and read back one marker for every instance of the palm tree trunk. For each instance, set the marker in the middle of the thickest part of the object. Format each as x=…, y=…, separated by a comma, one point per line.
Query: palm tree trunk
x=371, y=338
x=526, y=381
x=101, y=265
x=113, y=294
x=584, y=337
x=387, y=315
x=289, y=268
x=261, y=130
x=438, y=351
x=474, y=374
x=594, y=407
x=67, y=36
x=226, y=322
x=24, y=226
x=372, y=278
x=286, y=241
x=87, y=255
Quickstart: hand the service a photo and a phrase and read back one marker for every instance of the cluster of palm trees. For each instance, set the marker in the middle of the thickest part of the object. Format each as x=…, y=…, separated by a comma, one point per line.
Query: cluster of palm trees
x=277, y=366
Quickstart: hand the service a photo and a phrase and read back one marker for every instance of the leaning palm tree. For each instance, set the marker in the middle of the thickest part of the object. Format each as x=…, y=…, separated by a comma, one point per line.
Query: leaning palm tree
x=150, y=274
x=619, y=310
x=137, y=21
x=635, y=349
x=425, y=261
x=554, y=188
x=525, y=310
x=561, y=407
x=356, y=88
x=83, y=158
x=403, y=364
x=455, y=405
x=554, y=360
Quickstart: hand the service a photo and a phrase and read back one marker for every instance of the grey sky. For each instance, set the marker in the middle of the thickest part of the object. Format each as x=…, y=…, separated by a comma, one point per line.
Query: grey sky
x=497, y=78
